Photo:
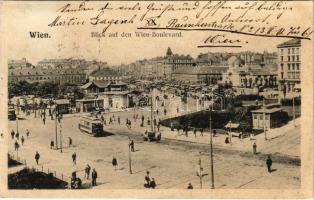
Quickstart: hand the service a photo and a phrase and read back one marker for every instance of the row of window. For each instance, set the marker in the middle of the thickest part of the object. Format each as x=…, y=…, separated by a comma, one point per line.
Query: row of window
x=293, y=75
x=108, y=78
x=291, y=66
x=290, y=51
x=261, y=117
x=291, y=58
x=70, y=78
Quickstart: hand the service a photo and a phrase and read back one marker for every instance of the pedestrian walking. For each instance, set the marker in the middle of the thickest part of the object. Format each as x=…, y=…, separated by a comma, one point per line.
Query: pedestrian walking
x=130, y=124
x=148, y=122
x=254, y=148
x=27, y=133
x=12, y=134
x=16, y=146
x=114, y=163
x=37, y=156
x=143, y=118
x=70, y=142
x=194, y=131
x=87, y=171
x=269, y=163
x=165, y=111
x=74, y=158
x=158, y=127
x=190, y=186
x=119, y=120
x=155, y=122
x=157, y=111
x=44, y=120
x=202, y=130
x=94, y=177
x=17, y=135
x=22, y=140
x=132, y=145
x=52, y=144
x=147, y=180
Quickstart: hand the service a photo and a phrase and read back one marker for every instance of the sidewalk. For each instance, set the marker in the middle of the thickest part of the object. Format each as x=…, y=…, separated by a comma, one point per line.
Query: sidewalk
x=284, y=140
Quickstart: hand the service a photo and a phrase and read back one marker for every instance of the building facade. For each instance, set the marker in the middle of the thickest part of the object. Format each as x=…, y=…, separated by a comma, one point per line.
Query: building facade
x=289, y=65
x=59, y=76
x=19, y=64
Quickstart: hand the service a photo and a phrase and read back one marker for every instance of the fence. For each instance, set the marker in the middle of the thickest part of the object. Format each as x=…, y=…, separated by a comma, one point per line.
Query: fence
x=41, y=168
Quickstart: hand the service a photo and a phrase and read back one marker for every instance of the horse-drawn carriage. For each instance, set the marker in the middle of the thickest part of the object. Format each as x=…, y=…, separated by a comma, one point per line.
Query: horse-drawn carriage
x=152, y=136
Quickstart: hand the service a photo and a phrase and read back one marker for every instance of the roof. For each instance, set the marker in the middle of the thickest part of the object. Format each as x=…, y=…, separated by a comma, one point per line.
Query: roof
x=267, y=110
x=290, y=43
x=62, y=101
x=105, y=72
x=99, y=84
x=200, y=70
x=38, y=71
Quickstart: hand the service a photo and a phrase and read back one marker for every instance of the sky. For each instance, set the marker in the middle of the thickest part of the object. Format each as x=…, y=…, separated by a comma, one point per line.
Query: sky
x=77, y=42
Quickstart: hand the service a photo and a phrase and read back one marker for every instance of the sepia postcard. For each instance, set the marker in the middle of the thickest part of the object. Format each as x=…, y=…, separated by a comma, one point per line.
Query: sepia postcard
x=156, y=99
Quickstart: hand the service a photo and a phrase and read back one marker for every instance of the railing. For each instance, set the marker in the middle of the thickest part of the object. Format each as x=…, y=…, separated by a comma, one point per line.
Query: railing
x=41, y=168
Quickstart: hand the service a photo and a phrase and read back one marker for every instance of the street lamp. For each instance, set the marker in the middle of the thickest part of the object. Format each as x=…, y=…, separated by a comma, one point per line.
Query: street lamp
x=200, y=171
x=211, y=148
x=130, y=164
x=60, y=139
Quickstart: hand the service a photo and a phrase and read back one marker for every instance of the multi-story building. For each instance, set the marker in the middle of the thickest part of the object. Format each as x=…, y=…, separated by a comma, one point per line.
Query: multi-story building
x=245, y=72
x=19, y=64
x=106, y=74
x=37, y=74
x=289, y=64
x=200, y=74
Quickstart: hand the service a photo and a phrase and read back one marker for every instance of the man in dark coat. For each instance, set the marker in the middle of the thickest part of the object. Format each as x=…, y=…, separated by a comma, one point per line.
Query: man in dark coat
x=74, y=158
x=147, y=180
x=114, y=163
x=94, y=177
x=12, y=134
x=52, y=144
x=254, y=148
x=37, y=156
x=87, y=171
x=269, y=163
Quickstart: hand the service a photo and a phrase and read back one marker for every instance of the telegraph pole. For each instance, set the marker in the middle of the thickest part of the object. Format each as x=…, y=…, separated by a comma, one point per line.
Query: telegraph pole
x=60, y=139
x=293, y=109
x=211, y=149
x=17, y=124
x=200, y=173
x=130, y=164
x=56, y=130
x=264, y=118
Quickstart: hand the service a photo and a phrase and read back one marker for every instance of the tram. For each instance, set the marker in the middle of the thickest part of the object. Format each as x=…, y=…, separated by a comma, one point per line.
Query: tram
x=91, y=126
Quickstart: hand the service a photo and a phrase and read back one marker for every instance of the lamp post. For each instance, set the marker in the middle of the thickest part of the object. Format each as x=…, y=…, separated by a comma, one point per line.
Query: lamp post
x=211, y=150
x=264, y=118
x=200, y=171
x=293, y=108
x=56, y=131
x=60, y=139
x=130, y=161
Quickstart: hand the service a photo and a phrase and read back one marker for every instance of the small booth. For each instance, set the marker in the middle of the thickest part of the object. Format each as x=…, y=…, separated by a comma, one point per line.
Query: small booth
x=62, y=106
x=271, y=114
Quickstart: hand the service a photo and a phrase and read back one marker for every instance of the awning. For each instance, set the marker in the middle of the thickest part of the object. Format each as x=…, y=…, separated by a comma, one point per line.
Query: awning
x=231, y=125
